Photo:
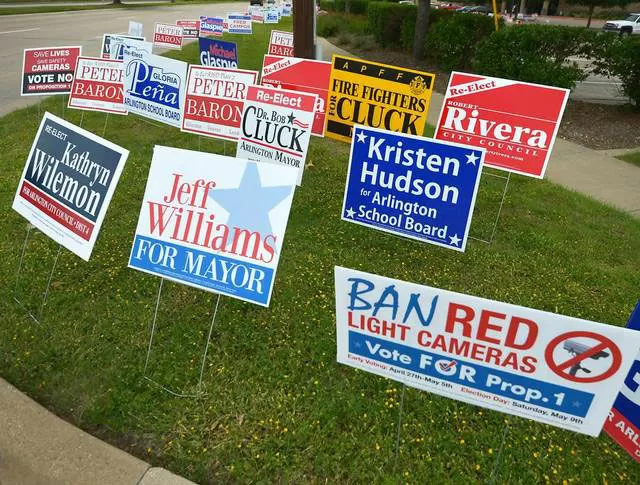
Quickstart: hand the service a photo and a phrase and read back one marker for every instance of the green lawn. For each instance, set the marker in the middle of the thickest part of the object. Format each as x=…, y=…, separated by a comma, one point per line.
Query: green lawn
x=275, y=407
x=633, y=157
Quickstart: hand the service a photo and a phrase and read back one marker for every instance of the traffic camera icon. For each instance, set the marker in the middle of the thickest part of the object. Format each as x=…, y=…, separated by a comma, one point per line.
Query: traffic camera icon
x=577, y=349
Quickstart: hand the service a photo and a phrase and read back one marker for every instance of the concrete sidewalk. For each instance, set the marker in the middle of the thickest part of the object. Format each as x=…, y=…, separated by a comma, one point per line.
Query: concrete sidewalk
x=37, y=447
x=591, y=172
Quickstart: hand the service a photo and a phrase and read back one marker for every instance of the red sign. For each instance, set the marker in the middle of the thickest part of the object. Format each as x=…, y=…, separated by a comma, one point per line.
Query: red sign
x=190, y=28
x=303, y=75
x=623, y=432
x=281, y=43
x=516, y=122
x=48, y=70
x=98, y=85
x=168, y=36
x=215, y=101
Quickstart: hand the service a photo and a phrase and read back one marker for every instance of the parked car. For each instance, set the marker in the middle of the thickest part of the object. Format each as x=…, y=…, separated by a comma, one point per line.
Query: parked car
x=477, y=9
x=628, y=26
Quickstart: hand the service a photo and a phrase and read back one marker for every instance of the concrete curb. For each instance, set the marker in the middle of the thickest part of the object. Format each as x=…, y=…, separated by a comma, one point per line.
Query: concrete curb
x=37, y=447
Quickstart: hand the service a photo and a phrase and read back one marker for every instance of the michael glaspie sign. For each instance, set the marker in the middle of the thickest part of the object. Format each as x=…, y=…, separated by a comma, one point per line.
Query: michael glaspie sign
x=276, y=126
x=214, y=222
x=98, y=85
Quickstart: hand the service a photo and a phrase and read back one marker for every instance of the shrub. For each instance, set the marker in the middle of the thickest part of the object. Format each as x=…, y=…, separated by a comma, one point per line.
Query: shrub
x=358, y=7
x=451, y=43
x=620, y=57
x=332, y=25
x=534, y=53
x=327, y=5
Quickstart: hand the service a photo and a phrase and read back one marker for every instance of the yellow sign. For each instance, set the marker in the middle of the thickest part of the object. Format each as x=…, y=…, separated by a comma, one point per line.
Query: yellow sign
x=376, y=95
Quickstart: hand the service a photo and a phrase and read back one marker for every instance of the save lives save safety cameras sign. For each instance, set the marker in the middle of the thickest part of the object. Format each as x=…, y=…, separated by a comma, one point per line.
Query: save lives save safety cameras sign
x=516, y=122
x=558, y=370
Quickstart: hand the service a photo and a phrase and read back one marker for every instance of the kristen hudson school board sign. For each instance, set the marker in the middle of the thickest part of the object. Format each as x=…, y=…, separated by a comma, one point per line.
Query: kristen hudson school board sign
x=67, y=183
x=542, y=366
x=213, y=222
x=516, y=122
x=412, y=186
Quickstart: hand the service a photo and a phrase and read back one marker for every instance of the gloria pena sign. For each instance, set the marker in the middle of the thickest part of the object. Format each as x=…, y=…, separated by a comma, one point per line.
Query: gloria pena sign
x=48, y=70
x=67, y=183
x=276, y=127
x=218, y=53
x=154, y=86
x=376, y=95
x=213, y=222
x=215, y=101
x=623, y=424
x=98, y=85
x=516, y=122
x=412, y=186
x=550, y=368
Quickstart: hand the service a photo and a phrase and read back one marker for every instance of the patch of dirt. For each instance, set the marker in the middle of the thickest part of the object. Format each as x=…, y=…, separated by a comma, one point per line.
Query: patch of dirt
x=596, y=126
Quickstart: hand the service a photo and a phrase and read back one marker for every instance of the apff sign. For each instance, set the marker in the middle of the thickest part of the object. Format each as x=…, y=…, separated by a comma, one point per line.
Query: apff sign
x=412, y=186
x=538, y=365
x=213, y=222
x=218, y=53
x=98, y=85
x=623, y=424
x=516, y=122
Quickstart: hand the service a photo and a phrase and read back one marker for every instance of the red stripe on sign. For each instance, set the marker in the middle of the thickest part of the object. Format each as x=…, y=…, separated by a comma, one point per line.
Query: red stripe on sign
x=56, y=211
x=220, y=111
x=623, y=432
x=280, y=97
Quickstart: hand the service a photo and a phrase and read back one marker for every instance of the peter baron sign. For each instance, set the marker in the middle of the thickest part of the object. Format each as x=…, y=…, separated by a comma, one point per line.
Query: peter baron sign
x=516, y=122
x=214, y=222
x=542, y=366
x=376, y=95
x=168, y=36
x=48, y=70
x=68, y=182
x=98, y=85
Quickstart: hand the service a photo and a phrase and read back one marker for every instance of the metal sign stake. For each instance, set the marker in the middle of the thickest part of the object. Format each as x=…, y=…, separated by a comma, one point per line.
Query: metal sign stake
x=495, y=224
x=400, y=413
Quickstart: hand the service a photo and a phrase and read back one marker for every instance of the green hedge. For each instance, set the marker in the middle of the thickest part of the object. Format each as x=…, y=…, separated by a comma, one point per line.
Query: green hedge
x=358, y=7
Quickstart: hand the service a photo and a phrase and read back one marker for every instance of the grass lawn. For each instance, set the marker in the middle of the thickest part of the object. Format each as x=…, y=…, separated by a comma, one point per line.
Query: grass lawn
x=275, y=406
x=633, y=157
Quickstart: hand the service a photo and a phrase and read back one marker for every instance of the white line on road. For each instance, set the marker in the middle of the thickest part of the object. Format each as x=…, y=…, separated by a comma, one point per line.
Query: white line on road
x=21, y=30
x=600, y=82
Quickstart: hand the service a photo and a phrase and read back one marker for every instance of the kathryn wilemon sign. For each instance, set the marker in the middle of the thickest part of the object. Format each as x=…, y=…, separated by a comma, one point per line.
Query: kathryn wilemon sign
x=68, y=182
x=213, y=222
x=542, y=366
x=376, y=95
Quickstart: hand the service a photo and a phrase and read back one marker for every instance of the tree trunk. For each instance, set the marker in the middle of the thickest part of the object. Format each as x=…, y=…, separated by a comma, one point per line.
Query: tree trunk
x=117, y=2
x=422, y=24
x=347, y=6
x=303, y=28
x=591, y=8
x=545, y=7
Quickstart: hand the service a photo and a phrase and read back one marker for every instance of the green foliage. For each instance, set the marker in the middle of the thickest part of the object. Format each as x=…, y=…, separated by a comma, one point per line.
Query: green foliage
x=534, y=53
x=357, y=7
x=452, y=42
x=619, y=57
x=332, y=25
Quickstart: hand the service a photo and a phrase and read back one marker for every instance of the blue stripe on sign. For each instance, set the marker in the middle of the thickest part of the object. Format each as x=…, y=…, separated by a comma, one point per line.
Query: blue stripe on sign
x=505, y=384
x=208, y=271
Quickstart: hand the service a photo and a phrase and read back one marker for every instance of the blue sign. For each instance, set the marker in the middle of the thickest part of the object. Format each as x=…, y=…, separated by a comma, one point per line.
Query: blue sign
x=211, y=25
x=272, y=16
x=239, y=24
x=415, y=187
x=218, y=53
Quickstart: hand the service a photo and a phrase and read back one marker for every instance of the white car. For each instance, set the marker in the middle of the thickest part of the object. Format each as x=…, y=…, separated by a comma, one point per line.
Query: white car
x=628, y=26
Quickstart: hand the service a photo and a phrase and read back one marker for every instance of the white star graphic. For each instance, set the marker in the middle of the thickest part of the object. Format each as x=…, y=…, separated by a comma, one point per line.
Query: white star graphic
x=472, y=159
x=350, y=213
x=362, y=138
x=455, y=240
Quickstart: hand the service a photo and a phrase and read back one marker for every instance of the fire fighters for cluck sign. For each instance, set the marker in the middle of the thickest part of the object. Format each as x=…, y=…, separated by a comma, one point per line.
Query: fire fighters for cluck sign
x=276, y=126
x=542, y=366
x=516, y=122
x=154, y=86
x=213, y=222
x=376, y=95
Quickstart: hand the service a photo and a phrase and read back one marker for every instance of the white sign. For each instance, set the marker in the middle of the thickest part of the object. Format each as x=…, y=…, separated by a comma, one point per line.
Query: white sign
x=67, y=183
x=558, y=370
x=168, y=36
x=98, y=85
x=118, y=44
x=135, y=28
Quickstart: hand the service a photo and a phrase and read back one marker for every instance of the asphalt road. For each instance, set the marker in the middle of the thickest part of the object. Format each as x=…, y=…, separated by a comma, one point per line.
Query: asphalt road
x=84, y=28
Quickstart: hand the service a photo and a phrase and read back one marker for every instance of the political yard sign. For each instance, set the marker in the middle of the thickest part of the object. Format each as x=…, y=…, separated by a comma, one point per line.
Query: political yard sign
x=117, y=45
x=271, y=16
x=214, y=222
x=412, y=186
x=281, y=44
x=48, y=70
x=218, y=53
x=167, y=36
x=215, y=101
x=304, y=75
x=623, y=424
x=239, y=24
x=135, y=28
x=68, y=182
x=98, y=85
x=516, y=122
x=190, y=28
x=276, y=127
x=558, y=370
x=107, y=40
x=154, y=86
x=211, y=26
x=376, y=95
